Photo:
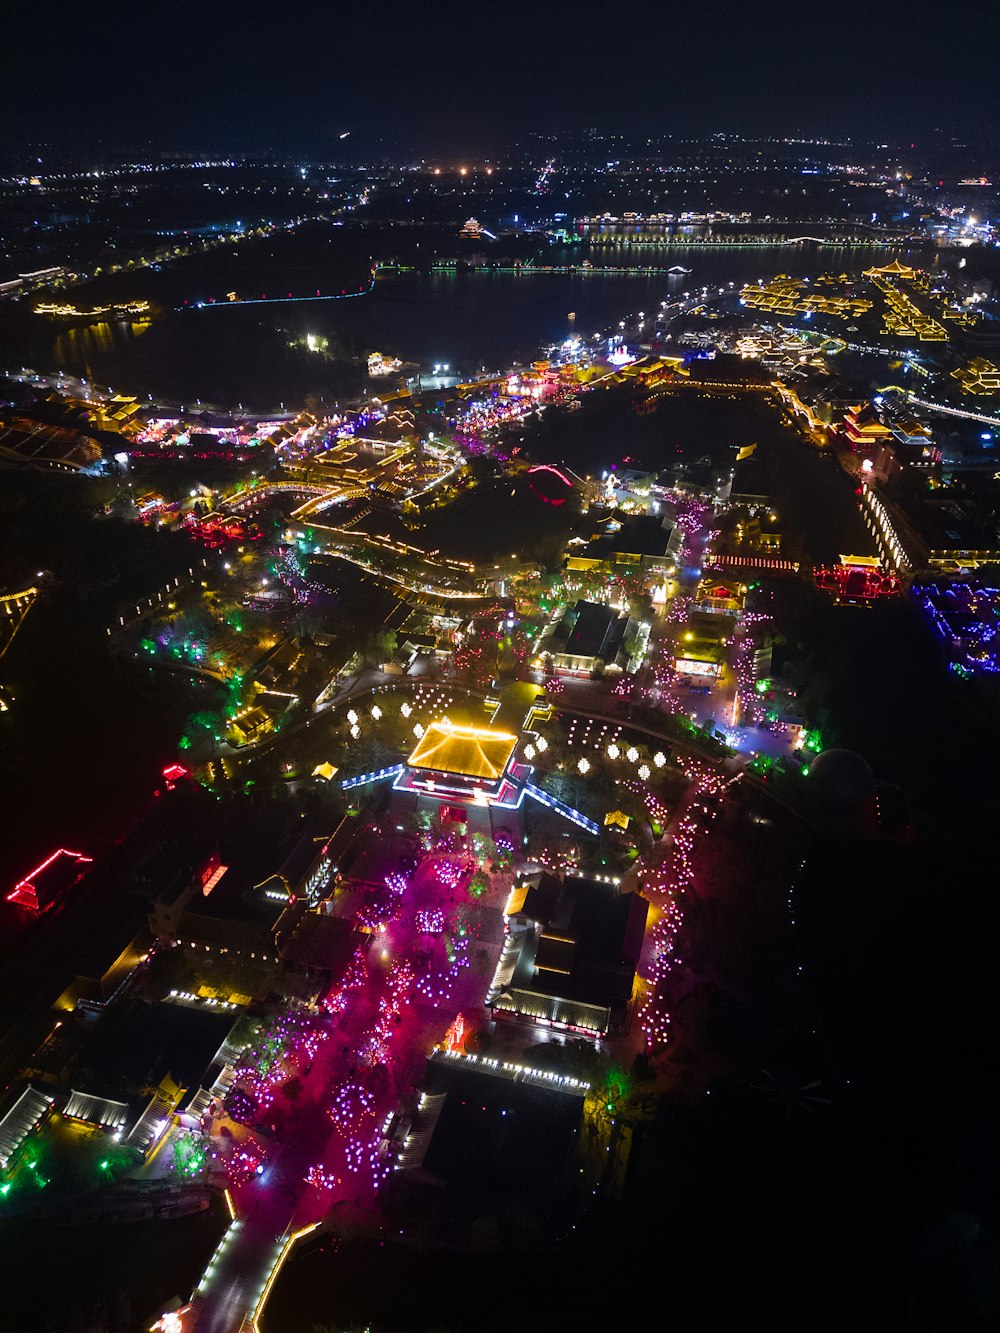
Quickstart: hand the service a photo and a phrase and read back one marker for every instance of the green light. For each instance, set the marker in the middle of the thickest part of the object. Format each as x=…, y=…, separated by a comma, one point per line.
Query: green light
x=5, y=1188
x=104, y=1164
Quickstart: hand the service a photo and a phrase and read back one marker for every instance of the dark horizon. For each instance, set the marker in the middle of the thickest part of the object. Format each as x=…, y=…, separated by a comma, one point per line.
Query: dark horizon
x=471, y=81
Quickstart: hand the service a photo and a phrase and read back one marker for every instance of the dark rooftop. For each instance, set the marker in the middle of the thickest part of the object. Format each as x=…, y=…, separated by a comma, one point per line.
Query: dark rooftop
x=588, y=943
x=135, y=1048
x=597, y=632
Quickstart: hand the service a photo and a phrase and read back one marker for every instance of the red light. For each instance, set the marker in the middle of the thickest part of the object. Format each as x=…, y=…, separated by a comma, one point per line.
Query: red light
x=25, y=894
x=174, y=773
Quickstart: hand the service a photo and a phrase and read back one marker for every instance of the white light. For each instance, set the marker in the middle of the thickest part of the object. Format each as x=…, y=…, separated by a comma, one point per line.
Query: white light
x=529, y=752
x=543, y=745
x=631, y=754
x=659, y=759
x=584, y=766
x=613, y=751
x=406, y=710
x=644, y=771
x=376, y=712
x=352, y=717
x=355, y=732
x=418, y=730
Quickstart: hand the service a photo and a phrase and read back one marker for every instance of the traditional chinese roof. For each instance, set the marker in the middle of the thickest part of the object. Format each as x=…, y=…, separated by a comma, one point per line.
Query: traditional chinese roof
x=471, y=752
x=900, y=270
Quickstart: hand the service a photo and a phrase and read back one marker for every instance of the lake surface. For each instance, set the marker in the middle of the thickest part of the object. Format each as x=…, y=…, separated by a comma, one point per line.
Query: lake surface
x=468, y=320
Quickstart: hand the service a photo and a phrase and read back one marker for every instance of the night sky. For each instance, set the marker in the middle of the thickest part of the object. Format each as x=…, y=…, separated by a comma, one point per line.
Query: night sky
x=468, y=77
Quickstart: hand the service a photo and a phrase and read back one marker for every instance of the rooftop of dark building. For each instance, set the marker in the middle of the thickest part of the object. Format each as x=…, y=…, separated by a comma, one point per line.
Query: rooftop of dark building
x=588, y=940
x=597, y=632
x=137, y=1044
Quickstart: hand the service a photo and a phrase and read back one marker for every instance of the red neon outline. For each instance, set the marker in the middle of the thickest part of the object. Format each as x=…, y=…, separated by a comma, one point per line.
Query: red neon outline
x=547, y=467
x=25, y=893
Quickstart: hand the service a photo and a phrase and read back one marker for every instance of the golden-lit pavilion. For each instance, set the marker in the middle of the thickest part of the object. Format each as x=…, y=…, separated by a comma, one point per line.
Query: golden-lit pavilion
x=478, y=753
x=980, y=377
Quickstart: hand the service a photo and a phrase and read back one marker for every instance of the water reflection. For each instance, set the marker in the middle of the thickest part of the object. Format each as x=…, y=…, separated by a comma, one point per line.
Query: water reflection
x=464, y=318
x=75, y=347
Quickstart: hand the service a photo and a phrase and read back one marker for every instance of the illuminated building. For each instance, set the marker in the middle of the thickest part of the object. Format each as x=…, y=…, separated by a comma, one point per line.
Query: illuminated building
x=908, y=430
x=64, y=311
x=880, y=463
x=250, y=725
x=980, y=377
x=639, y=541
x=803, y=411
x=470, y=775
x=797, y=296
x=718, y=596
x=33, y=444
x=592, y=636
x=893, y=270
x=864, y=429
x=857, y=580
x=901, y=316
x=30, y=1110
x=176, y=880
x=571, y=954
x=700, y=656
x=394, y=467
x=50, y=880
x=379, y=364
